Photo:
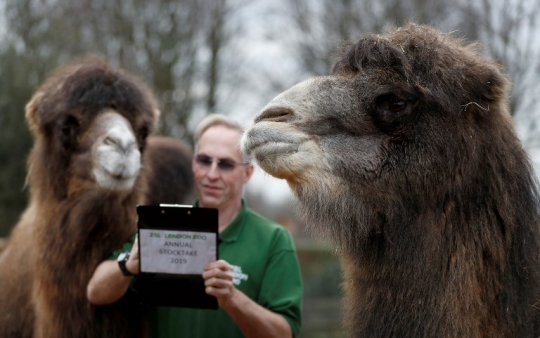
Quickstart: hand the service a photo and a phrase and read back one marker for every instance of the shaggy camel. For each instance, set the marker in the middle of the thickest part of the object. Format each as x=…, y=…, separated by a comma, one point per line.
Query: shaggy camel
x=168, y=171
x=90, y=123
x=407, y=158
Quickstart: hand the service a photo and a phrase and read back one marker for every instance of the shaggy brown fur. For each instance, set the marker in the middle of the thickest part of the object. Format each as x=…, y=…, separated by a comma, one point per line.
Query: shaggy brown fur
x=407, y=157
x=169, y=172
x=71, y=225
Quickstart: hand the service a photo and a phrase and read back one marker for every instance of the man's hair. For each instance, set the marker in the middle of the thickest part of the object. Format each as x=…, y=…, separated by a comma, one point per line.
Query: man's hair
x=214, y=120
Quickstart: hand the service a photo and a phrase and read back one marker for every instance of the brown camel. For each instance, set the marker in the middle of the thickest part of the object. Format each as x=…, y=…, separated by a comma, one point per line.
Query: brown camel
x=168, y=171
x=90, y=123
x=406, y=156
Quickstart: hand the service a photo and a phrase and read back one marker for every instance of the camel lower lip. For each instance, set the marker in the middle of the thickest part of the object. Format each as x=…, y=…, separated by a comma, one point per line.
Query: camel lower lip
x=274, y=149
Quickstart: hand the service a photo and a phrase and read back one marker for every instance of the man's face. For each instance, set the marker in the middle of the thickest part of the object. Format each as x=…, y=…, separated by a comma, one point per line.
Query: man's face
x=218, y=187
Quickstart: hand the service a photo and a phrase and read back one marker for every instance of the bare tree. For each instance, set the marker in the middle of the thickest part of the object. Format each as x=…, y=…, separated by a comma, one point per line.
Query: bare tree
x=321, y=25
x=215, y=40
x=224, y=63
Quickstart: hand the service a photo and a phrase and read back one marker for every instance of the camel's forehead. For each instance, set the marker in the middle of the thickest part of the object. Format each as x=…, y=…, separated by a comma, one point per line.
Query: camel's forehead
x=111, y=119
x=108, y=122
x=303, y=89
x=303, y=94
x=83, y=92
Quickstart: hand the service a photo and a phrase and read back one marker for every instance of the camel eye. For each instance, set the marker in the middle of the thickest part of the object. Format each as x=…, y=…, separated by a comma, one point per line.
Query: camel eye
x=68, y=132
x=391, y=112
x=397, y=106
x=391, y=103
x=141, y=137
x=143, y=133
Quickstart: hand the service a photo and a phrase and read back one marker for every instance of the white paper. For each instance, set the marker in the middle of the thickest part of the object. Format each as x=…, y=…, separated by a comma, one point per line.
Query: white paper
x=177, y=252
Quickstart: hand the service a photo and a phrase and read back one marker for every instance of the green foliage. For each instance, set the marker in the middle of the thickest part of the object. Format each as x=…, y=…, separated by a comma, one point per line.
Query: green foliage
x=15, y=139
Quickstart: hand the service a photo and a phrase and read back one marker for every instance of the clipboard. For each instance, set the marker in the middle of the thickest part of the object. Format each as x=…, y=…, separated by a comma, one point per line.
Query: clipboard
x=175, y=242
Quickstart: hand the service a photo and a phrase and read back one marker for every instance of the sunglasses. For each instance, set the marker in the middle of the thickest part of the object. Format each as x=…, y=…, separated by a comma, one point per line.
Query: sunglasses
x=222, y=163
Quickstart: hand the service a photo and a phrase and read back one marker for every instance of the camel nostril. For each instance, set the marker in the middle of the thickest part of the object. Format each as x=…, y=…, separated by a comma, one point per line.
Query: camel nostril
x=120, y=142
x=276, y=114
x=111, y=141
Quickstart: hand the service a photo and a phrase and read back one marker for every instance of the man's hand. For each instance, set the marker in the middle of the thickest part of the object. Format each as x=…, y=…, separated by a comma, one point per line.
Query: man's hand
x=133, y=262
x=108, y=284
x=218, y=279
x=252, y=319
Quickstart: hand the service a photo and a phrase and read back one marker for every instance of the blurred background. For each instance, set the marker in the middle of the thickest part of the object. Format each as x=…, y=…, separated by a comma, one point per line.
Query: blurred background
x=232, y=57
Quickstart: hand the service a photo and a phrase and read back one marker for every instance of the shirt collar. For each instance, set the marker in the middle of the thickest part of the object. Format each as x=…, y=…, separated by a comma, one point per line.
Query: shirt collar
x=233, y=230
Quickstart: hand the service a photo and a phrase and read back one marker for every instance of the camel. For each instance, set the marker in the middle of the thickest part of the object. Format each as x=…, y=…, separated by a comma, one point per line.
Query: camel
x=90, y=123
x=168, y=171
x=406, y=157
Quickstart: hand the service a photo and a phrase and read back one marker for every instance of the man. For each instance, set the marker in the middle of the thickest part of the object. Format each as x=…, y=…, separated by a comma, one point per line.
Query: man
x=257, y=281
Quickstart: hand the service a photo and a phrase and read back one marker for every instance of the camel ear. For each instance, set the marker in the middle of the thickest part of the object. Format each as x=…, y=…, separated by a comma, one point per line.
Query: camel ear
x=31, y=110
x=487, y=89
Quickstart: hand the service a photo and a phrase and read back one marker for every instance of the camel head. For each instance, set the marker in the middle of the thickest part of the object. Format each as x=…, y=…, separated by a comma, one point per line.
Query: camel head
x=402, y=121
x=90, y=124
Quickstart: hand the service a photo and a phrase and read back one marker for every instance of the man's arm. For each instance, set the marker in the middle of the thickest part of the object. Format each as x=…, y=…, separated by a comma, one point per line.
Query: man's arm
x=108, y=284
x=252, y=319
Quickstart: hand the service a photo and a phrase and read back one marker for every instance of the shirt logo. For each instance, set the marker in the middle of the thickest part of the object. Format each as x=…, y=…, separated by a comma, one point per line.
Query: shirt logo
x=238, y=276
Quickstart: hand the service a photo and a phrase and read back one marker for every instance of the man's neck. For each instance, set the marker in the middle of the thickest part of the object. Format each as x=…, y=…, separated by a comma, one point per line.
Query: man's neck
x=228, y=215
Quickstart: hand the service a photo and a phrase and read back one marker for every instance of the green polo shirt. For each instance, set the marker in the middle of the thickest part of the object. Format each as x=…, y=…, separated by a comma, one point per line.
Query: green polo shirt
x=266, y=269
